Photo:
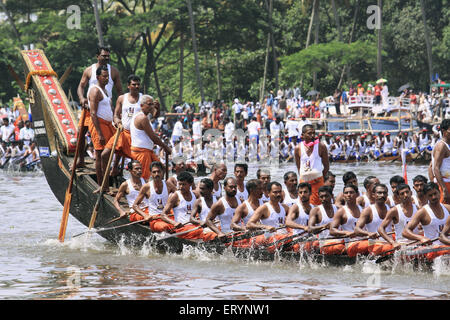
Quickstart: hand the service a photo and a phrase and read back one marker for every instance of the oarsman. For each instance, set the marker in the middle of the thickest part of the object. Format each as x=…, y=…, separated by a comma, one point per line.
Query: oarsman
x=320, y=217
x=368, y=197
x=298, y=214
x=388, y=145
x=100, y=125
x=7, y=131
x=31, y=156
x=218, y=173
x=328, y=142
x=344, y=222
x=155, y=193
x=290, y=191
x=444, y=235
x=420, y=198
x=349, y=177
x=202, y=206
x=399, y=216
x=361, y=147
x=394, y=182
x=264, y=176
x=336, y=149
x=246, y=209
x=424, y=141
x=130, y=189
x=349, y=146
x=440, y=161
x=432, y=217
x=26, y=133
x=269, y=216
x=224, y=209
x=311, y=159
x=330, y=181
x=181, y=203
x=126, y=106
x=88, y=79
x=240, y=172
x=143, y=137
x=371, y=218
x=292, y=132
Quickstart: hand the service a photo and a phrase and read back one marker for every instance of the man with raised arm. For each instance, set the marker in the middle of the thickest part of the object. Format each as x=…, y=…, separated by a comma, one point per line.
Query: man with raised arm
x=88, y=79
x=312, y=161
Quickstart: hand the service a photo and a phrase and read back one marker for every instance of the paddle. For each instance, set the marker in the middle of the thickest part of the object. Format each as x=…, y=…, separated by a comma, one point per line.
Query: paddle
x=106, y=229
x=167, y=166
x=387, y=255
x=251, y=234
x=105, y=179
x=118, y=218
x=301, y=239
x=362, y=239
x=6, y=161
x=284, y=240
x=68, y=197
x=179, y=233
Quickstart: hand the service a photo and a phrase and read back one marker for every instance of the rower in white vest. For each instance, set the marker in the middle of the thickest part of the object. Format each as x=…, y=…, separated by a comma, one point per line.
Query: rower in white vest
x=298, y=214
x=290, y=192
x=246, y=209
x=321, y=216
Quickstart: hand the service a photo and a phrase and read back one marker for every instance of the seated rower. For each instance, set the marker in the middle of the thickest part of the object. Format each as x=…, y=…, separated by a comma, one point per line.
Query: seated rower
x=348, y=178
x=178, y=166
x=443, y=236
x=246, y=209
x=321, y=216
x=130, y=189
x=269, y=216
x=290, y=192
x=433, y=217
x=344, y=222
x=264, y=176
x=393, y=200
x=240, y=172
x=298, y=214
x=399, y=216
x=370, y=219
x=419, y=199
x=181, y=202
x=219, y=172
x=202, y=206
x=154, y=194
x=224, y=209
x=368, y=198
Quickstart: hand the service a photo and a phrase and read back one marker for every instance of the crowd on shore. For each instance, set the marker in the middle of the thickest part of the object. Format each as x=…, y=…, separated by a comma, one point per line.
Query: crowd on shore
x=18, y=146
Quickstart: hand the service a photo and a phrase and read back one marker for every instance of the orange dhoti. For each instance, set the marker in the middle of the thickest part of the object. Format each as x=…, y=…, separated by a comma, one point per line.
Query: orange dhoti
x=447, y=184
x=378, y=247
x=87, y=119
x=145, y=157
x=123, y=145
x=315, y=185
x=357, y=247
x=108, y=131
x=433, y=255
x=332, y=247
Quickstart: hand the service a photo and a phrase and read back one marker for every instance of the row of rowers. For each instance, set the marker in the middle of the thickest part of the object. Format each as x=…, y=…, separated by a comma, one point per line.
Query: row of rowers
x=177, y=205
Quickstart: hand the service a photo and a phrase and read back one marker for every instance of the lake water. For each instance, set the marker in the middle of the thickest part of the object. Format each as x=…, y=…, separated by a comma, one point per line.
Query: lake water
x=34, y=265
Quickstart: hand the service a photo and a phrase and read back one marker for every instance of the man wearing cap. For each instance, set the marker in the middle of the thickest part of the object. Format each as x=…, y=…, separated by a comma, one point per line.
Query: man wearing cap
x=311, y=159
x=388, y=145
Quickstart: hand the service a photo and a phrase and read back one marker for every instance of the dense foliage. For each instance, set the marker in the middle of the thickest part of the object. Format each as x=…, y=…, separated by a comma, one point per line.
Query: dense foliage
x=152, y=38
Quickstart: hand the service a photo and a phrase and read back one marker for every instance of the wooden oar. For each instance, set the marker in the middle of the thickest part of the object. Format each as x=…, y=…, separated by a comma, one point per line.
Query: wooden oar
x=68, y=197
x=118, y=218
x=251, y=234
x=105, y=179
x=106, y=229
x=167, y=166
x=301, y=239
x=362, y=239
x=284, y=239
x=387, y=255
x=178, y=234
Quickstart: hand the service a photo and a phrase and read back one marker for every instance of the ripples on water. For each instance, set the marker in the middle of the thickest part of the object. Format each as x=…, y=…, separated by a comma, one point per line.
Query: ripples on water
x=34, y=265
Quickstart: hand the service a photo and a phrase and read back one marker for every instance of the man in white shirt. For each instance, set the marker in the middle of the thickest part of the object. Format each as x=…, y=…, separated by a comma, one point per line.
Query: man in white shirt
x=177, y=131
x=292, y=130
x=237, y=108
x=253, y=130
x=7, y=131
x=26, y=133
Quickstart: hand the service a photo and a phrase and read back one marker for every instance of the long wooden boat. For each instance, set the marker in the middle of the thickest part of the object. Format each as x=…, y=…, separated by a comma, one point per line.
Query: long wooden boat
x=56, y=132
x=415, y=158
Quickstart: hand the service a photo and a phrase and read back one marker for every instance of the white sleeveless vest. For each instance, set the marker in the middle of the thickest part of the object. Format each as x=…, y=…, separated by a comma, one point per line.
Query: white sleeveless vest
x=129, y=109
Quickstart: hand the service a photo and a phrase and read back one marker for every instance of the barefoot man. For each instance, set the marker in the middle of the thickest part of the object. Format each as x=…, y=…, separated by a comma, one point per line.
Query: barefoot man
x=311, y=159
x=100, y=126
x=440, y=160
x=89, y=78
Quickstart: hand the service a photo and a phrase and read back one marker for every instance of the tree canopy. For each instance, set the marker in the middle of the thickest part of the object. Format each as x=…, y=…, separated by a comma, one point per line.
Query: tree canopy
x=152, y=38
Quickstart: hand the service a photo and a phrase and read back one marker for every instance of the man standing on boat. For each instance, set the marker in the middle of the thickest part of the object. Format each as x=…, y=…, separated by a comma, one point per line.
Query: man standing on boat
x=312, y=161
x=440, y=161
x=143, y=137
x=100, y=125
x=126, y=106
x=88, y=79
